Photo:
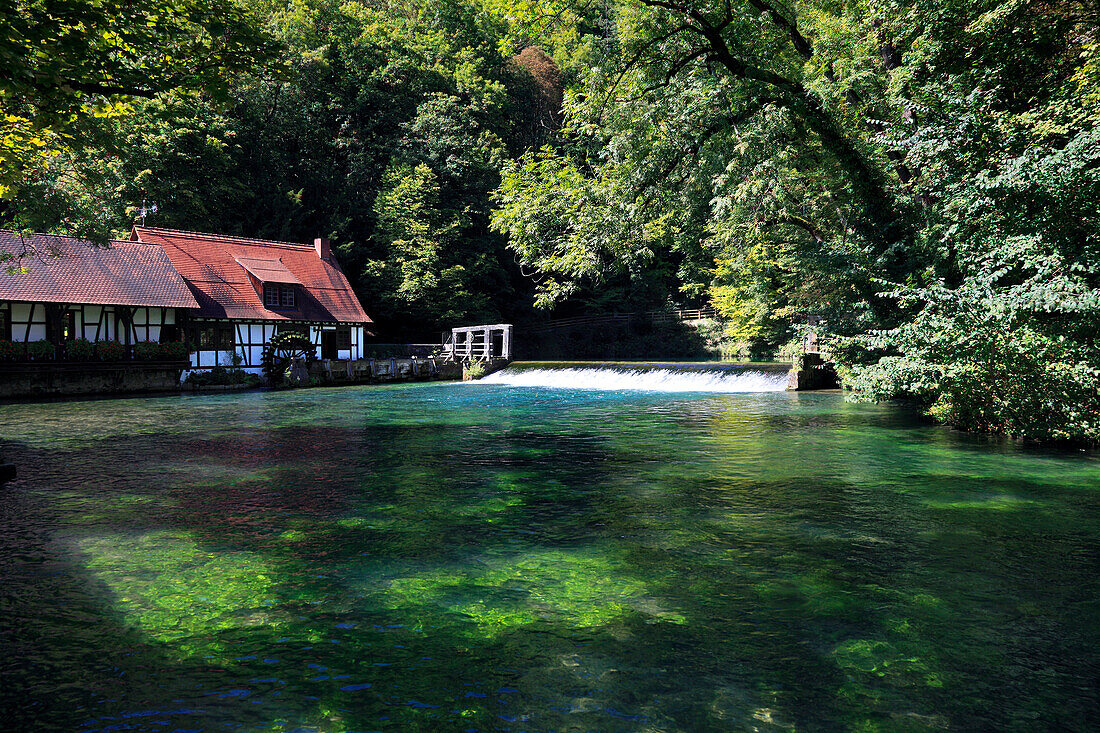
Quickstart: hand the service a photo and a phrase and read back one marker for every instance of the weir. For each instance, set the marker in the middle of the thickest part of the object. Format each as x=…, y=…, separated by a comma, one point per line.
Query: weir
x=646, y=377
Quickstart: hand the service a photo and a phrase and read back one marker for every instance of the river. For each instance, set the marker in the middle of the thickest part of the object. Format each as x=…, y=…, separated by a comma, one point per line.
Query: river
x=540, y=556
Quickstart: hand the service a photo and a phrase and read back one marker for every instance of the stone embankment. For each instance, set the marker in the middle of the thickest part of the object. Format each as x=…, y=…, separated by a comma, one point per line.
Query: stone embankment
x=30, y=380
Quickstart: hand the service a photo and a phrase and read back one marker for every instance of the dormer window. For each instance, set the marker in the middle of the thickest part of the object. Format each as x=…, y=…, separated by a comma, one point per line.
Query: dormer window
x=276, y=284
x=278, y=295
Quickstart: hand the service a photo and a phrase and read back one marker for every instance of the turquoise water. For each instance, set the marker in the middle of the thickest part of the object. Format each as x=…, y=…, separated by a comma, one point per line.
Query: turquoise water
x=490, y=557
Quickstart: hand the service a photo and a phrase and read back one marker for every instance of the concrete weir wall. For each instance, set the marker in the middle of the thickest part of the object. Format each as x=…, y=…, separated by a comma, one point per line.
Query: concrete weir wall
x=46, y=379
x=395, y=369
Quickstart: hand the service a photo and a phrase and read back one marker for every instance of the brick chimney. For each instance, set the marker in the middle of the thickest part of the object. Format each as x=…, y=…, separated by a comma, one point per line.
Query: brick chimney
x=324, y=248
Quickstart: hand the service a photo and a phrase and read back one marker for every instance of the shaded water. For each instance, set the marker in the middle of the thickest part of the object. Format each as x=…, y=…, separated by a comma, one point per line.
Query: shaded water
x=479, y=557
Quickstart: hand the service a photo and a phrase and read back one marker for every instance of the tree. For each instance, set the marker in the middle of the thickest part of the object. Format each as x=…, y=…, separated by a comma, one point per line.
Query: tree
x=920, y=174
x=426, y=277
x=64, y=62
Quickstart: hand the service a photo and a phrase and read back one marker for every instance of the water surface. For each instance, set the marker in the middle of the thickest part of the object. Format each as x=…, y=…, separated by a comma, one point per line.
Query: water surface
x=492, y=557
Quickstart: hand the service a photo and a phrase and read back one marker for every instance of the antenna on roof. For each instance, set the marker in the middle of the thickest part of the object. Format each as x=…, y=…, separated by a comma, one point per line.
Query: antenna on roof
x=146, y=210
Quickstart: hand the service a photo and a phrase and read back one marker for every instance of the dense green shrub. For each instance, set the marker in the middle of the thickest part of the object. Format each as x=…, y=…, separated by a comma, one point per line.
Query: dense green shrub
x=110, y=350
x=174, y=350
x=990, y=373
x=41, y=350
x=153, y=351
x=79, y=349
x=222, y=376
x=148, y=351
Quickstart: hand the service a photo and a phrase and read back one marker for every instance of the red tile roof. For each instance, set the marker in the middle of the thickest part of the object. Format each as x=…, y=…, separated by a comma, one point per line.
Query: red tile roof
x=69, y=270
x=210, y=263
x=268, y=271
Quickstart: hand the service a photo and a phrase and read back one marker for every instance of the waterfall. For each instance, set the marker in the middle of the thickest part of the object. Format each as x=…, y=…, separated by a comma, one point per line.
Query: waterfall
x=659, y=379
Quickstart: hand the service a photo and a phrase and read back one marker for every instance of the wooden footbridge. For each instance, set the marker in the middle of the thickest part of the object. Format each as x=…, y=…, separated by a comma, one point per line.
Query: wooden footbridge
x=479, y=344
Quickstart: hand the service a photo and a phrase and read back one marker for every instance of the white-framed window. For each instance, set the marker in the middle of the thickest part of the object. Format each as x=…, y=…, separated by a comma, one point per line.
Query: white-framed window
x=277, y=295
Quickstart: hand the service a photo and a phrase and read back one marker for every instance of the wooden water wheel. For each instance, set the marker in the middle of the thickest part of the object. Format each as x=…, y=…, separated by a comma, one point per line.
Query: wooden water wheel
x=282, y=350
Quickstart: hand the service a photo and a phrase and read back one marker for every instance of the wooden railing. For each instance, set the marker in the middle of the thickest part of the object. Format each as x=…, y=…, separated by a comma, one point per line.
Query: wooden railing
x=479, y=343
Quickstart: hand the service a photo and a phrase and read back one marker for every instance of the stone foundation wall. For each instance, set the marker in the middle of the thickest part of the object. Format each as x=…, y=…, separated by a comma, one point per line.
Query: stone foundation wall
x=373, y=371
x=48, y=379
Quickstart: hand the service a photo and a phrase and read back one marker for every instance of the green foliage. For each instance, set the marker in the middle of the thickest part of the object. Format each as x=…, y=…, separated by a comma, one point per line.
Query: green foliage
x=575, y=589
x=640, y=338
x=191, y=592
x=79, y=349
x=173, y=350
x=147, y=350
x=422, y=277
x=101, y=56
x=222, y=376
x=373, y=93
x=922, y=176
x=475, y=370
x=110, y=350
x=41, y=350
x=152, y=350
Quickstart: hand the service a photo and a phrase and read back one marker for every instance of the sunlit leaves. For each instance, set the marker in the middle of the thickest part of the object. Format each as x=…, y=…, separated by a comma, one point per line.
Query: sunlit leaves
x=64, y=61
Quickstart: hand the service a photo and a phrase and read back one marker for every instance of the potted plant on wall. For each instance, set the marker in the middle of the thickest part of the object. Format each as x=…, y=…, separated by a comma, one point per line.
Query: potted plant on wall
x=79, y=350
x=110, y=350
x=10, y=351
x=41, y=350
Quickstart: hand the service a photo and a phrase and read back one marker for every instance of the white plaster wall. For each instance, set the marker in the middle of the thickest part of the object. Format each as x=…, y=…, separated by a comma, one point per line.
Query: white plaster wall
x=86, y=320
x=261, y=333
x=20, y=311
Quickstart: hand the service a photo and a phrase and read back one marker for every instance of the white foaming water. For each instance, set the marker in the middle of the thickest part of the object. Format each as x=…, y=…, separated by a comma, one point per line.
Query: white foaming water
x=644, y=380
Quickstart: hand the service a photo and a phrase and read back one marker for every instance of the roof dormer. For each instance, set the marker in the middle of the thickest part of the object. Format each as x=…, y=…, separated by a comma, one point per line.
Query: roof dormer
x=276, y=285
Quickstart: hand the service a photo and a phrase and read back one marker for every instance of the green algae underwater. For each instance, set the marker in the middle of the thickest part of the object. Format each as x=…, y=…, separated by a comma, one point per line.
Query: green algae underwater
x=484, y=558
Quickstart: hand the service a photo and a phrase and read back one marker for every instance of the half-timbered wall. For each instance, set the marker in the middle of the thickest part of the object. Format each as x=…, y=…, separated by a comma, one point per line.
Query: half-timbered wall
x=25, y=322
x=28, y=321
x=250, y=338
x=150, y=324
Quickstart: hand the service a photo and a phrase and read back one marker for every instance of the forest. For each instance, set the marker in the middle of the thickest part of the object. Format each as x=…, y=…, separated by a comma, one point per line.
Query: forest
x=920, y=178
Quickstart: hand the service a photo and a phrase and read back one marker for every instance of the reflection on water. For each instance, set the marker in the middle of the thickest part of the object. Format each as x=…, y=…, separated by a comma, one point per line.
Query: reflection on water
x=480, y=557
